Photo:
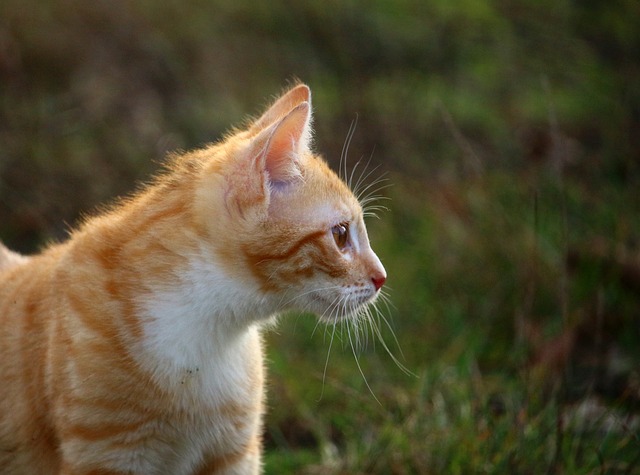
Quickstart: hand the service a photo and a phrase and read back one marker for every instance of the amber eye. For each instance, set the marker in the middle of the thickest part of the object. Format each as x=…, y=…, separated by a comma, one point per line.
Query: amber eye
x=341, y=234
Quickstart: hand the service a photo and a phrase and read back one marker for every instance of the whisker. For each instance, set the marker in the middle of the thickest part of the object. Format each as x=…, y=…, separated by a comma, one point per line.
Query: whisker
x=363, y=175
x=401, y=366
x=355, y=356
x=329, y=309
x=353, y=172
x=364, y=193
x=362, y=188
x=298, y=296
x=374, y=197
x=357, y=190
x=345, y=149
x=372, y=211
x=326, y=362
x=373, y=194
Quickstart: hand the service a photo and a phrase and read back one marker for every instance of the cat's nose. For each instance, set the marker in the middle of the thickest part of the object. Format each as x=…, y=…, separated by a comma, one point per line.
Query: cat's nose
x=377, y=272
x=378, y=281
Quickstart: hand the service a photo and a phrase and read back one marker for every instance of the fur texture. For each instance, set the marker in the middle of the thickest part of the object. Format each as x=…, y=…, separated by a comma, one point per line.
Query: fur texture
x=134, y=347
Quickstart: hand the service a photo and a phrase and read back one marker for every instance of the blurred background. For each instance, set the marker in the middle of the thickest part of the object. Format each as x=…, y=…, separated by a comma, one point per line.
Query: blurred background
x=509, y=132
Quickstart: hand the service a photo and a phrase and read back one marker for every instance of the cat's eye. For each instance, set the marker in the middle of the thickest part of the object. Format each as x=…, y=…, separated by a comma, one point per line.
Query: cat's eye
x=341, y=235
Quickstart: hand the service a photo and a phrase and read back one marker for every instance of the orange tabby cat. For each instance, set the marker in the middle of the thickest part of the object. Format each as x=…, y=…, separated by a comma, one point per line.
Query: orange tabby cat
x=134, y=347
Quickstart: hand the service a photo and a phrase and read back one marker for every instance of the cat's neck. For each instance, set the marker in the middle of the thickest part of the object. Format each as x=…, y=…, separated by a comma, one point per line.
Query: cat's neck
x=187, y=306
x=203, y=317
x=202, y=300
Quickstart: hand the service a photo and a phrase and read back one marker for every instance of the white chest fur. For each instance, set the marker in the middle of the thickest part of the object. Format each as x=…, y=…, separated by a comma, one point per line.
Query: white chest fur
x=202, y=345
x=201, y=331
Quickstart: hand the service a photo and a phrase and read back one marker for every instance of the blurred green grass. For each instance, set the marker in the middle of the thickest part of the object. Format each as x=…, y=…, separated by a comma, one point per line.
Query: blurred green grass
x=510, y=132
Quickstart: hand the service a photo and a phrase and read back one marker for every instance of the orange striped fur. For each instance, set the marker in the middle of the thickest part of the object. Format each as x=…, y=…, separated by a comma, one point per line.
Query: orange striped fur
x=134, y=347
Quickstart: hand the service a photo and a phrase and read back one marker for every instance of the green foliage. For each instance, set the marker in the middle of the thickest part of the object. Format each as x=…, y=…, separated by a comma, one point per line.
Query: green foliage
x=509, y=133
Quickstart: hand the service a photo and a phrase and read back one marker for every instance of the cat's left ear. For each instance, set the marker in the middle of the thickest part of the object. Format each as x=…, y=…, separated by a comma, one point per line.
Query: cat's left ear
x=271, y=162
x=278, y=149
x=280, y=108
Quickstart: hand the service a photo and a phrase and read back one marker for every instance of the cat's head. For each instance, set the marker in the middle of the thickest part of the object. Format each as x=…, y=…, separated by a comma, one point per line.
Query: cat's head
x=282, y=222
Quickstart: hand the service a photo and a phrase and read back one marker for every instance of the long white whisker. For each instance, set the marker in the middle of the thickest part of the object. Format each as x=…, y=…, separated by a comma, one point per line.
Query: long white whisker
x=330, y=309
x=364, y=174
x=355, y=356
x=345, y=148
x=362, y=179
x=326, y=362
x=378, y=332
x=353, y=172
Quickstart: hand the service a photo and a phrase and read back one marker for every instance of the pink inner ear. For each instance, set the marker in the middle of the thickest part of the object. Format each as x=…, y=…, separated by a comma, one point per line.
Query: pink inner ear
x=289, y=138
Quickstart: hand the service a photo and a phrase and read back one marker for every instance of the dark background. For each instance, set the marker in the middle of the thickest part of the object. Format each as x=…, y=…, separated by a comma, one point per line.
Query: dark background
x=510, y=133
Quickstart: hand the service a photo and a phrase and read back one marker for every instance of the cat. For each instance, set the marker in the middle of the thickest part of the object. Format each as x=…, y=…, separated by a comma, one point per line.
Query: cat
x=134, y=347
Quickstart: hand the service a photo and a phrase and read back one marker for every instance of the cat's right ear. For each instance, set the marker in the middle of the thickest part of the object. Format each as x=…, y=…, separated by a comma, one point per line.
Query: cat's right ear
x=285, y=104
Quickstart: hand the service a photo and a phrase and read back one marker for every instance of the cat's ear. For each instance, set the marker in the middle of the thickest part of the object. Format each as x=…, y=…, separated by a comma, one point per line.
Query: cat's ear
x=288, y=101
x=270, y=163
x=278, y=148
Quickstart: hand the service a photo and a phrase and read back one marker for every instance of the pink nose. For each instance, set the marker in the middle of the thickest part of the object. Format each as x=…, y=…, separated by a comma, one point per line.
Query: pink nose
x=378, y=281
